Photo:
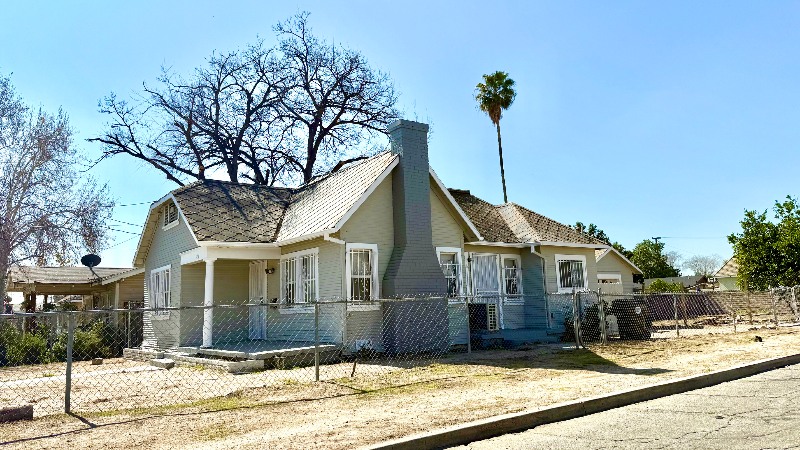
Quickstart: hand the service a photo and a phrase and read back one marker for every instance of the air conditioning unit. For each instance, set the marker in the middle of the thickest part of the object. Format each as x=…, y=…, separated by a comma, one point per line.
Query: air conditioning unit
x=492, y=320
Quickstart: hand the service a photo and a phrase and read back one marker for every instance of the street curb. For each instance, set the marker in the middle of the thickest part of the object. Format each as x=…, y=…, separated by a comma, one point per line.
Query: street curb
x=516, y=422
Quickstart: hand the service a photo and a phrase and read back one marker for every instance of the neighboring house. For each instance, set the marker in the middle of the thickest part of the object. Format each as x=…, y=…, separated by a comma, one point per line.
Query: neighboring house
x=727, y=275
x=615, y=272
x=385, y=227
x=688, y=282
x=102, y=289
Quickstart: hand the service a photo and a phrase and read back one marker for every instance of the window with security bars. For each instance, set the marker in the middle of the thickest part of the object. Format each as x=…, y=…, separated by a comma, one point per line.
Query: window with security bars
x=570, y=275
x=160, y=290
x=170, y=214
x=452, y=272
x=361, y=274
x=308, y=277
x=299, y=279
x=289, y=280
x=511, y=276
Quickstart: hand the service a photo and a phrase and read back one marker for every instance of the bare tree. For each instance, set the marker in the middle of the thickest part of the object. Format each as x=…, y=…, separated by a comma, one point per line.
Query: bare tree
x=704, y=265
x=332, y=101
x=48, y=211
x=263, y=115
x=673, y=258
x=223, y=118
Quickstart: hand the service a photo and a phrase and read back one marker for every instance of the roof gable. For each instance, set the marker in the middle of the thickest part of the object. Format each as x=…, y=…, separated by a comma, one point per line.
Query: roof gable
x=328, y=202
x=729, y=269
x=512, y=223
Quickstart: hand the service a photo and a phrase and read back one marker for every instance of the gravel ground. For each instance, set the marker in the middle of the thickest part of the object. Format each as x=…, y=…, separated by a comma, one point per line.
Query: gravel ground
x=386, y=402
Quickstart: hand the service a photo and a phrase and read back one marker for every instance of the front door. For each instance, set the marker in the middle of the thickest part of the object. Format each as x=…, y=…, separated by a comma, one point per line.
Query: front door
x=258, y=295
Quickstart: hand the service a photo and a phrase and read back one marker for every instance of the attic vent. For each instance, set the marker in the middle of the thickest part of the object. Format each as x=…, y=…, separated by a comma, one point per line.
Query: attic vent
x=170, y=214
x=459, y=191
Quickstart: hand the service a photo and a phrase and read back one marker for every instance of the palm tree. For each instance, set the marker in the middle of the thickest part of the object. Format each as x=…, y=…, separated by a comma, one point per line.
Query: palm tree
x=495, y=94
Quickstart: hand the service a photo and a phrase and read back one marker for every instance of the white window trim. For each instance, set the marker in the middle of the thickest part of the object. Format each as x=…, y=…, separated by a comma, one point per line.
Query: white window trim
x=164, y=315
x=174, y=223
x=609, y=276
x=298, y=274
x=375, y=278
x=581, y=258
x=457, y=251
x=519, y=274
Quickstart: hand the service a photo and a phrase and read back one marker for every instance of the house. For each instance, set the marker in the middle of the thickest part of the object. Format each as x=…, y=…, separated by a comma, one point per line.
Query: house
x=727, y=275
x=615, y=272
x=690, y=282
x=103, y=288
x=385, y=227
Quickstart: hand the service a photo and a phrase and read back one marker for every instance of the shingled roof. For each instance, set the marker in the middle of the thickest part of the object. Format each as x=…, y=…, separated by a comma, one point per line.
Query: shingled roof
x=234, y=212
x=60, y=275
x=730, y=269
x=512, y=223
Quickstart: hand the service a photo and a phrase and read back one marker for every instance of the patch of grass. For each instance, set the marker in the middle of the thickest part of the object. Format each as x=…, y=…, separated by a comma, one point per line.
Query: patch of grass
x=290, y=382
x=48, y=375
x=580, y=358
x=228, y=402
x=215, y=432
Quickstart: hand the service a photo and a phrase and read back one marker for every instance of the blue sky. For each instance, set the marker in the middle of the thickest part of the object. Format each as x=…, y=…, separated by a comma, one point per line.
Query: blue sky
x=645, y=118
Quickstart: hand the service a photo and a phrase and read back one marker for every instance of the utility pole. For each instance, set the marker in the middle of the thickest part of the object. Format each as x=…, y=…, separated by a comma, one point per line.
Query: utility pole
x=655, y=239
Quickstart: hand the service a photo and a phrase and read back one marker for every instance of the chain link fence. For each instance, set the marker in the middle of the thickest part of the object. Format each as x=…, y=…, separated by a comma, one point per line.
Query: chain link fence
x=137, y=358
x=594, y=317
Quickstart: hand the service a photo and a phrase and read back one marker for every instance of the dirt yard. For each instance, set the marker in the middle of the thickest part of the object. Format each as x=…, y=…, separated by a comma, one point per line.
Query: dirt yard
x=384, y=403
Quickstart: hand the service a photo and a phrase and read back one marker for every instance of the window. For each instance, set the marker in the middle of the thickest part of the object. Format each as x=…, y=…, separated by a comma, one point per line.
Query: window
x=159, y=290
x=170, y=214
x=609, y=278
x=299, y=282
x=362, y=271
x=571, y=273
x=512, y=275
x=450, y=261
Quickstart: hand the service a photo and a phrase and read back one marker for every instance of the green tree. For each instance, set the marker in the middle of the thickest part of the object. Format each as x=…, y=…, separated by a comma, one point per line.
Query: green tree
x=494, y=95
x=662, y=286
x=650, y=258
x=768, y=252
x=593, y=231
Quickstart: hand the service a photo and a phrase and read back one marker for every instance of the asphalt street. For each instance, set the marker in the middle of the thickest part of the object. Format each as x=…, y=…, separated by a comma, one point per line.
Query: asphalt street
x=758, y=412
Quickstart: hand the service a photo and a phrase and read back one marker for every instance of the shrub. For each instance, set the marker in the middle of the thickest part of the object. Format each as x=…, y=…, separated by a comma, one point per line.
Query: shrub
x=660, y=285
x=23, y=348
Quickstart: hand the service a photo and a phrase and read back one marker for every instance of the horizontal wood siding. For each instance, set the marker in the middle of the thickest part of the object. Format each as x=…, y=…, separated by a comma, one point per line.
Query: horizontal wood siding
x=513, y=316
x=611, y=263
x=362, y=325
x=299, y=328
x=458, y=324
x=446, y=231
x=372, y=223
x=549, y=253
x=165, y=249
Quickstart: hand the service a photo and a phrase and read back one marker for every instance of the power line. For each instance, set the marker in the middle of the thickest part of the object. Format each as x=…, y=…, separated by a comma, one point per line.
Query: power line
x=120, y=243
x=127, y=223
x=122, y=231
x=692, y=237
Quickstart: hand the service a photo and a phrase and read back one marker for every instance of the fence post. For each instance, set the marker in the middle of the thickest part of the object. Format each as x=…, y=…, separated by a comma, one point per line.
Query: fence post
x=603, y=330
x=749, y=306
x=774, y=309
x=675, y=308
x=316, y=340
x=128, y=328
x=469, y=331
x=794, y=305
x=576, y=321
x=70, y=337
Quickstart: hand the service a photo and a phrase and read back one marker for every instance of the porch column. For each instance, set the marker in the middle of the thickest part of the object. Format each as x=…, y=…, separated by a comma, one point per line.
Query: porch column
x=208, y=300
x=116, y=304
